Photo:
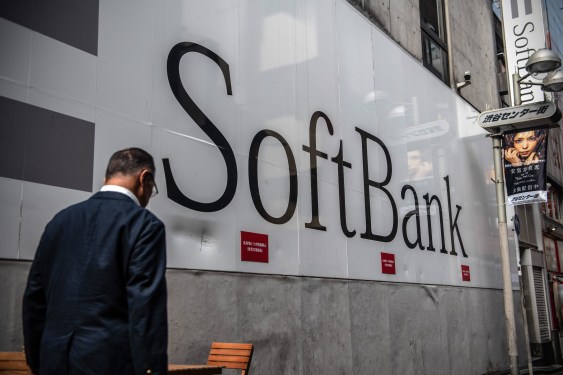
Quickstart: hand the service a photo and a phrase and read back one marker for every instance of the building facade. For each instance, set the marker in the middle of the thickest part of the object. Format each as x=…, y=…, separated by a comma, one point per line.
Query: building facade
x=345, y=219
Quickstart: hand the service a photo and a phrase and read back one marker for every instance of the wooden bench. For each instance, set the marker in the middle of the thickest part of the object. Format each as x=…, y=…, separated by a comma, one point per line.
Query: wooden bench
x=231, y=355
x=227, y=355
x=13, y=363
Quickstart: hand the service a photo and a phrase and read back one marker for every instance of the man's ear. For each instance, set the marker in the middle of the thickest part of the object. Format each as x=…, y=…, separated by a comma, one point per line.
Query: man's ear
x=143, y=176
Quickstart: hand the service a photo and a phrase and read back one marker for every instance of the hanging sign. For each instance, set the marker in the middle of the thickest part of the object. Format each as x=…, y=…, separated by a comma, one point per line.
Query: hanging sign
x=532, y=115
x=525, y=156
x=524, y=34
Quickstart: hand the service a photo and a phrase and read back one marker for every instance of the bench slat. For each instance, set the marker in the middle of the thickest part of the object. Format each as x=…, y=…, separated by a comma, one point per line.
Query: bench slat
x=235, y=365
x=227, y=358
x=228, y=345
x=241, y=352
x=12, y=356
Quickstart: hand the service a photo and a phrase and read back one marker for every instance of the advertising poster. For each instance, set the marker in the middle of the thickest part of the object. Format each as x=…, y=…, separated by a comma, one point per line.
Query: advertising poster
x=525, y=155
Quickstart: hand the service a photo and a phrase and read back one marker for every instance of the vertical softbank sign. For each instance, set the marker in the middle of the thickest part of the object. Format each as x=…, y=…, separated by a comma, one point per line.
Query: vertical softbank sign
x=523, y=35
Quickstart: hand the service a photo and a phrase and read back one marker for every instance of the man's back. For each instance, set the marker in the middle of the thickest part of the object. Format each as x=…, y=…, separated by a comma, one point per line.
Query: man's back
x=99, y=275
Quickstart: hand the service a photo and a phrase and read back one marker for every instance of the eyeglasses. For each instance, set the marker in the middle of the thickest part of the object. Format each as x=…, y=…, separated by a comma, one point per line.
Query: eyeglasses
x=154, y=187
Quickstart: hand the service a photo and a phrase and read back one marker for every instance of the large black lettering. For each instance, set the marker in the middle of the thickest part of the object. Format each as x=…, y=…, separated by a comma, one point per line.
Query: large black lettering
x=407, y=217
x=378, y=185
x=173, y=70
x=339, y=160
x=253, y=177
x=429, y=201
x=523, y=29
x=313, y=153
x=453, y=224
x=521, y=42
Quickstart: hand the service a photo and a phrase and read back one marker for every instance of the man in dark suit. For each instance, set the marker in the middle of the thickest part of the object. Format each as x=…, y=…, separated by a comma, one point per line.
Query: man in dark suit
x=95, y=301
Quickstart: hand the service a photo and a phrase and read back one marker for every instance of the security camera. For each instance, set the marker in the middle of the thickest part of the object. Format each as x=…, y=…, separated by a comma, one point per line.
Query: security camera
x=465, y=82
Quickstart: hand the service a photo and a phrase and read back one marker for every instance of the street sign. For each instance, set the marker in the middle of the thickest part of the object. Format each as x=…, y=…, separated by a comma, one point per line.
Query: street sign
x=527, y=116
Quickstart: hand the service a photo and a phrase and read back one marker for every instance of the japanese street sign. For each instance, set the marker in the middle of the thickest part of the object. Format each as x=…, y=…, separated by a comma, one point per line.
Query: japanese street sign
x=525, y=116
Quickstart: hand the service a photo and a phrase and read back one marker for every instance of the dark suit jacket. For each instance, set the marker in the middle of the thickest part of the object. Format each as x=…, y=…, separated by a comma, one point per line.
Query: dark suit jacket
x=95, y=301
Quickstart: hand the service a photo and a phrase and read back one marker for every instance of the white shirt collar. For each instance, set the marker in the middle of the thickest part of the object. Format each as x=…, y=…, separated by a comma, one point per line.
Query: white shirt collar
x=122, y=190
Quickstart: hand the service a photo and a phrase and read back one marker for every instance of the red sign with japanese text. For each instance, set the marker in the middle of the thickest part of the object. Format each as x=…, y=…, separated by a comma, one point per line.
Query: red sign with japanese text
x=465, y=274
x=388, y=263
x=253, y=247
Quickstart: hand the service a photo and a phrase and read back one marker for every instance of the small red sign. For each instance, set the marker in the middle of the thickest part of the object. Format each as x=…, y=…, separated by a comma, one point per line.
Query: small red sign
x=465, y=274
x=253, y=247
x=388, y=263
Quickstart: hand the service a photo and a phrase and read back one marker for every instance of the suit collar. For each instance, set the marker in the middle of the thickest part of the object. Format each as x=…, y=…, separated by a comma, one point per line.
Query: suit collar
x=121, y=190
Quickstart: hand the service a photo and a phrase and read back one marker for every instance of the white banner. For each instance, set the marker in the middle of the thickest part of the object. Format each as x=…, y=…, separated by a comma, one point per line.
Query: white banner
x=291, y=138
x=524, y=33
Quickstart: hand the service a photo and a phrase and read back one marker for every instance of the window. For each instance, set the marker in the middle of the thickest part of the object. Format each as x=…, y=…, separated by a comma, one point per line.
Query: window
x=433, y=31
x=551, y=208
x=501, y=64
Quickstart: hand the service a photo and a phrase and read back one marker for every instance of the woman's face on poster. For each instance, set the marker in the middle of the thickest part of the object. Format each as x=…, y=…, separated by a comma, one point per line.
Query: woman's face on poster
x=525, y=143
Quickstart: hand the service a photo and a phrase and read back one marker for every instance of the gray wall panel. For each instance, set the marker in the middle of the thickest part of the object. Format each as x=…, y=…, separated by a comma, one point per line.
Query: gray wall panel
x=327, y=347
x=12, y=137
x=45, y=147
x=303, y=326
x=68, y=21
x=369, y=315
x=13, y=277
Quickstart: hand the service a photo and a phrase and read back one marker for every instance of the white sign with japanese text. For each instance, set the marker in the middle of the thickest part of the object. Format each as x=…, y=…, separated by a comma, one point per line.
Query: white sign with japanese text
x=527, y=116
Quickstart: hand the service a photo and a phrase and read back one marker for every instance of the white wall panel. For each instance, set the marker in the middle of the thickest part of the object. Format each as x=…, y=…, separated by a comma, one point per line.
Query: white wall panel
x=214, y=25
x=15, y=42
x=61, y=70
x=266, y=98
x=73, y=108
x=125, y=59
x=287, y=60
x=317, y=84
x=40, y=204
x=10, y=217
x=322, y=253
x=194, y=239
x=113, y=133
x=283, y=239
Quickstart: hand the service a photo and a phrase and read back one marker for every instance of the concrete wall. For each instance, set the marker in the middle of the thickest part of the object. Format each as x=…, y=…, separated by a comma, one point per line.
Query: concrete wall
x=318, y=326
x=399, y=19
x=473, y=48
x=472, y=35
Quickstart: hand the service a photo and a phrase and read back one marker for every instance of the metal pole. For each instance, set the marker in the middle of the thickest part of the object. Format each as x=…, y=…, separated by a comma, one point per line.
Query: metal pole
x=505, y=259
x=517, y=98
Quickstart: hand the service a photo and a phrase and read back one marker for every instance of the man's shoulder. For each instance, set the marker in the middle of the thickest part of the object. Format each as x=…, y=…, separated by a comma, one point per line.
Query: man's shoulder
x=117, y=201
x=126, y=203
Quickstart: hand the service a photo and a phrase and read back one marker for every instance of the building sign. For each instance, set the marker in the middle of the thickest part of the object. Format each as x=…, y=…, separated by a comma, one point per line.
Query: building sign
x=533, y=114
x=465, y=273
x=253, y=247
x=524, y=33
x=525, y=159
x=388, y=263
x=269, y=159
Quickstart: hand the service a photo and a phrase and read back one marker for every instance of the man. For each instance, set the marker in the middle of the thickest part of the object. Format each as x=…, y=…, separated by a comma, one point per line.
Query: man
x=95, y=301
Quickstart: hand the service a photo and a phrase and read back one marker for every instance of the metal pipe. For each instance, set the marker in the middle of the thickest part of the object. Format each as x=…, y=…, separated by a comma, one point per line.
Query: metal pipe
x=517, y=98
x=449, y=44
x=505, y=258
